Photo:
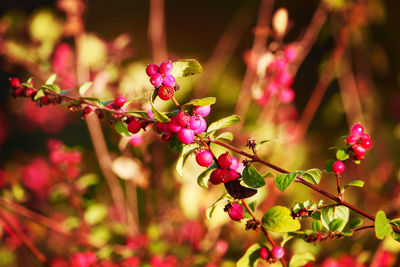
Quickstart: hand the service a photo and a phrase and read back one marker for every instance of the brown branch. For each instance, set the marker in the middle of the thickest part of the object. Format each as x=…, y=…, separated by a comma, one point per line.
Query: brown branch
x=156, y=30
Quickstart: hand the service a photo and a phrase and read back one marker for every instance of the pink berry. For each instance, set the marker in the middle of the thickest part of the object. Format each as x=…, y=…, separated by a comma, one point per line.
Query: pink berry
x=165, y=93
x=264, y=253
x=136, y=140
x=86, y=111
x=235, y=211
x=203, y=126
x=338, y=167
x=366, y=143
x=351, y=140
x=14, y=82
x=156, y=79
x=159, y=127
x=195, y=122
x=235, y=164
x=29, y=91
x=183, y=118
x=120, y=101
x=357, y=130
x=151, y=69
x=215, y=177
x=359, y=152
x=277, y=252
x=225, y=160
x=286, y=95
x=204, y=158
x=202, y=110
x=174, y=125
x=290, y=54
x=284, y=79
x=169, y=80
x=277, y=65
x=186, y=136
x=166, y=67
x=134, y=126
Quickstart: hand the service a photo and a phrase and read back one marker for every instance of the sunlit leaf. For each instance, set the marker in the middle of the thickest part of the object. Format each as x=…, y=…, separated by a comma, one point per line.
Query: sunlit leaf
x=279, y=219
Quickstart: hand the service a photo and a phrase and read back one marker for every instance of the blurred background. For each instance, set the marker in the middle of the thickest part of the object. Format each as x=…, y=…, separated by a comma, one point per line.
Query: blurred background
x=123, y=195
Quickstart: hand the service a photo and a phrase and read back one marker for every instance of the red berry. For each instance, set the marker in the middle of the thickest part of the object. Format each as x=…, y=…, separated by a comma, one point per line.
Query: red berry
x=359, y=152
x=264, y=253
x=183, y=118
x=202, y=110
x=286, y=95
x=225, y=160
x=45, y=100
x=169, y=80
x=351, y=140
x=186, y=136
x=174, y=125
x=14, y=82
x=215, y=177
x=366, y=143
x=166, y=67
x=338, y=167
x=120, y=101
x=357, y=130
x=235, y=164
x=134, y=126
x=29, y=91
x=159, y=126
x=235, y=211
x=204, y=158
x=203, y=126
x=277, y=252
x=165, y=92
x=156, y=79
x=151, y=69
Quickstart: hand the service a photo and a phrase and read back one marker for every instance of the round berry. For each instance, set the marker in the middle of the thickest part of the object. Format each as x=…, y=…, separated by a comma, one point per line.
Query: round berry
x=45, y=100
x=357, y=130
x=151, y=69
x=225, y=160
x=195, y=122
x=290, y=53
x=202, y=110
x=235, y=164
x=203, y=126
x=366, y=143
x=183, y=118
x=359, y=152
x=169, y=80
x=186, y=136
x=174, y=125
x=29, y=91
x=351, y=140
x=284, y=79
x=338, y=167
x=134, y=126
x=166, y=92
x=277, y=252
x=286, y=95
x=236, y=212
x=86, y=111
x=264, y=253
x=204, y=158
x=156, y=79
x=166, y=67
x=159, y=127
x=14, y=82
x=120, y=101
x=215, y=177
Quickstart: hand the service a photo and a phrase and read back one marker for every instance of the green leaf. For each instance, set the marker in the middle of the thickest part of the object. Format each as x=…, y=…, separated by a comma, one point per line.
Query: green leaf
x=122, y=128
x=210, y=210
x=92, y=99
x=313, y=176
x=307, y=204
x=251, y=257
x=336, y=224
x=223, y=123
x=396, y=236
x=395, y=222
x=86, y=181
x=39, y=94
x=328, y=165
x=279, y=219
x=203, y=178
x=106, y=102
x=268, y=175
x=316, y=226
x=175, y=145
x=95, y=213
x=283, y=180
x=84, y=87
x=252, y=177
x=199, y=102
x=297, y=207
x=347, y=233
x=302, y=259
x=139, y=114
x=158, y=116
x=185, y=153
x=225, y=136
x=356, y=223
x=186, y=67
x=342, y=154
x=52, y=87
x=382, y=226
x=331, y=213
x=70, y=103
x=357, y=183
x=266, y=141
x=51, y=79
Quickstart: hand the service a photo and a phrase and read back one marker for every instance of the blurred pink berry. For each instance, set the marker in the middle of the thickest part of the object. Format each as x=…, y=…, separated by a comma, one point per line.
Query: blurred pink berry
x=14, y=82
x=277, y=252
x=338, y=167
x=151, y=69
x=290, y=53
x=134, y=126
x=136, y=140
x=286, y=95
x=131, y=262
x=235, y=211
x=357, y=130
x=156, y=79
x=264, y=253
x=235, y=164
x=169, y=80
x=166, y=67
x=36, y=175
x=186, y=136
x=204, y=158
x=284, y=79
x=120, y=101
x=159, y=126
x=202, y=110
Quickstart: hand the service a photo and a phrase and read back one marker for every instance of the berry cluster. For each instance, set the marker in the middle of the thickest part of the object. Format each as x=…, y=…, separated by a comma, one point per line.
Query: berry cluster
x=17, y=89
x=358, y=142
x=235, y=211
x=276, y=253
x=184, y=125
x=279, y=78
x=226, y=171
x=162, y=79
